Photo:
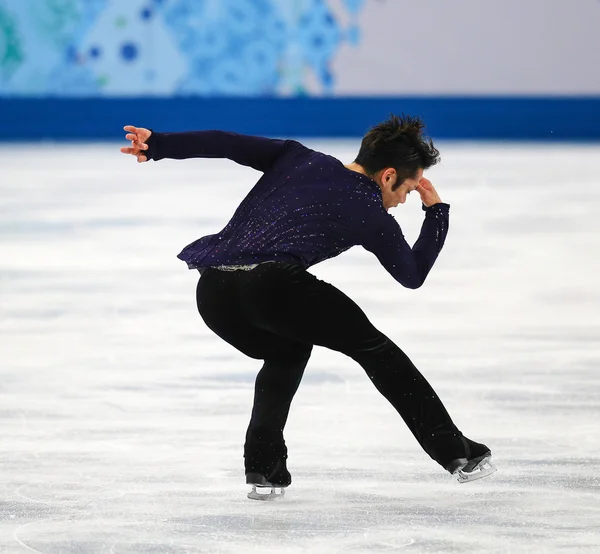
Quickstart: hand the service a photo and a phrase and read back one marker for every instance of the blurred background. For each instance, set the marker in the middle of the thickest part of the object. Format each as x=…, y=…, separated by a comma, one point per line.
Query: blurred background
x=327, y=68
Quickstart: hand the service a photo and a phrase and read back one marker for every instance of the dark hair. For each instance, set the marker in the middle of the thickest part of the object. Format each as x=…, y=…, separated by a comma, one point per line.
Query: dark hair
x=397, y=142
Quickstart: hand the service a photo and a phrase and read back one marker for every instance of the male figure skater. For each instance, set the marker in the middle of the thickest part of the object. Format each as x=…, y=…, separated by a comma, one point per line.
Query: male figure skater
x=255, y=291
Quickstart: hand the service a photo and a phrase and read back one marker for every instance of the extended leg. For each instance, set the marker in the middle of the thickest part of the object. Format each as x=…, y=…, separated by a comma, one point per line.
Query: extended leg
x=398, y=380
x=312, y=311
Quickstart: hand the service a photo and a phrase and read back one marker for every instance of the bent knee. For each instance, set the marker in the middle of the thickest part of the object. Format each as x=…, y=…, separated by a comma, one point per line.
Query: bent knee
x=296, y=353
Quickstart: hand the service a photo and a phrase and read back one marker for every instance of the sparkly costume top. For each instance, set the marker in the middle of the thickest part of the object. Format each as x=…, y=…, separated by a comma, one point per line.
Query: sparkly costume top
x=305, y=208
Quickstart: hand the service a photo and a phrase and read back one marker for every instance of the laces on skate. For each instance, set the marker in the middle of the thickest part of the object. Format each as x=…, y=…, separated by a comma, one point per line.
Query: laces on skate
x=266, y=492
x=477, y=468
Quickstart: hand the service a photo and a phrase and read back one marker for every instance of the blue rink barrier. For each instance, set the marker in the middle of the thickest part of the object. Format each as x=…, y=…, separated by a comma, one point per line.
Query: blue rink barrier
x=497, y=118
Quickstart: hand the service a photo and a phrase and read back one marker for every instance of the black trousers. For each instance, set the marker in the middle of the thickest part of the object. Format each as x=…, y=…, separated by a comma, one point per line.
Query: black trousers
x=276, y=312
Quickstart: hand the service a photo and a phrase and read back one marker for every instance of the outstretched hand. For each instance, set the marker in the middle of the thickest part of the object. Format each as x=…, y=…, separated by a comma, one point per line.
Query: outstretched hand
x=426, y=190
x=138, y=137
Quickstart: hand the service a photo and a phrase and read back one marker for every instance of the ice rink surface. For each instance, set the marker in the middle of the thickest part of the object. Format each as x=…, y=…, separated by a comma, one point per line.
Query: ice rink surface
x=122, y=417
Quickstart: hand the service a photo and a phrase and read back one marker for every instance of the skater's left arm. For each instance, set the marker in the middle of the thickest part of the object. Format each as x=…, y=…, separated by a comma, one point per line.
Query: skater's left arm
x=410, y=266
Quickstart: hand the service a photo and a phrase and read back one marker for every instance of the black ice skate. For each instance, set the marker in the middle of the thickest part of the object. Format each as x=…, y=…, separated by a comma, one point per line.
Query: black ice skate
x=269, y=487
x=477, y=465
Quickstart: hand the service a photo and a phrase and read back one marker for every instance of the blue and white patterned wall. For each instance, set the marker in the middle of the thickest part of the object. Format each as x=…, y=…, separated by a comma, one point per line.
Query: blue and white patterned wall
x=298, y=47
x=172, y=47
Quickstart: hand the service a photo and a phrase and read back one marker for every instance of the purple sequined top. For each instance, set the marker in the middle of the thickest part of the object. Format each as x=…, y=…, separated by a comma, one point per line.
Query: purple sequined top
x=307, y=207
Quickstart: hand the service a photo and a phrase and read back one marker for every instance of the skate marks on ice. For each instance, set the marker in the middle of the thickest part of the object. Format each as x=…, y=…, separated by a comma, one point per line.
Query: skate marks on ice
x=368, y=521
x=123, y=418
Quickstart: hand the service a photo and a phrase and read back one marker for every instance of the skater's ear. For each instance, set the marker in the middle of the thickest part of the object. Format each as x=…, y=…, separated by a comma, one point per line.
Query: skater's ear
x=388, y=177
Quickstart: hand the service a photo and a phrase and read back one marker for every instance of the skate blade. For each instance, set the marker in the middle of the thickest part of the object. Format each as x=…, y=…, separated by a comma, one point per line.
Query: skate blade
x=484, y=468
x=268, y=493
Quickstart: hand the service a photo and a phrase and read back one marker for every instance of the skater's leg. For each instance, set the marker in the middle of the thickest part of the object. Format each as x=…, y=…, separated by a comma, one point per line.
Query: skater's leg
x=275, y=387
x=398, y=380
x=291, y=302
x=221, y=305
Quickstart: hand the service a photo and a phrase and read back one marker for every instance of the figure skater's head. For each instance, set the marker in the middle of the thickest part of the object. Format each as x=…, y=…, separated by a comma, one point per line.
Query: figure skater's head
x=394, y=154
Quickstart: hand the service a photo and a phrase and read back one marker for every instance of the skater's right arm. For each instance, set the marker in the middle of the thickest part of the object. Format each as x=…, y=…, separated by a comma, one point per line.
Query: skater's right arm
x=409, y=266
x=259, y=153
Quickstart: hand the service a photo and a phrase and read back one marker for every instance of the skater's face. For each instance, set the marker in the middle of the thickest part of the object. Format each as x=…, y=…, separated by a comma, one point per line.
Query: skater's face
x=387, y=180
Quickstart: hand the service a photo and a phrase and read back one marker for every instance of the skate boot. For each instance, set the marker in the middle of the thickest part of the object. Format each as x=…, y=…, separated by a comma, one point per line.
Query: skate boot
x=270, y=485
x=476, y=465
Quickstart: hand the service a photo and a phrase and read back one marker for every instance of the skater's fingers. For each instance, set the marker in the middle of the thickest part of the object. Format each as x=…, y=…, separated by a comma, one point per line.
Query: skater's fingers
x=139, y=145
x=129, y=151
x=131, y=136
x=141, y=158
x=140, y=132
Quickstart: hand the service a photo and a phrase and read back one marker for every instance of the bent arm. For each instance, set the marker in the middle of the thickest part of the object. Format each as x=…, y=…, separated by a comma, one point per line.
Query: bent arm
x=410, y=266
x=257, y=152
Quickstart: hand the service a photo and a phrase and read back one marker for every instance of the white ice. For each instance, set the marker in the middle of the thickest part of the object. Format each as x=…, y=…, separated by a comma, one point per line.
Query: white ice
x=122, y=417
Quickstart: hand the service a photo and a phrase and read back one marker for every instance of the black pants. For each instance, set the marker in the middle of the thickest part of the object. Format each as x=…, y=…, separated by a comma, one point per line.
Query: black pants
x=276, y=312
